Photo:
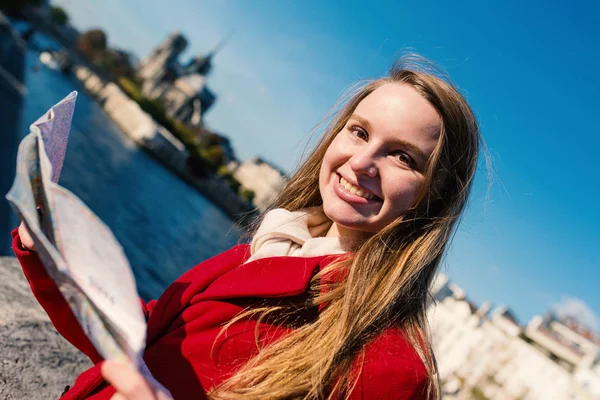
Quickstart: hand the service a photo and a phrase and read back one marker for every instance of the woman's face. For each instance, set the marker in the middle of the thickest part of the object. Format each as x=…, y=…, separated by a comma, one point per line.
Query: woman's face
x=373, y=169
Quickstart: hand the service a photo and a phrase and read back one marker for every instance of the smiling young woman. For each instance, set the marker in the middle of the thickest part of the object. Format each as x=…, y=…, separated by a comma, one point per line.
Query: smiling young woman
x=373, y=169
x=381, y=288
x=329, y=299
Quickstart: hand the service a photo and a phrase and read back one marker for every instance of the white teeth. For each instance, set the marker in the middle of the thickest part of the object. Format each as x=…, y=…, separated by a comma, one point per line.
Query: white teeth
x=354, y=190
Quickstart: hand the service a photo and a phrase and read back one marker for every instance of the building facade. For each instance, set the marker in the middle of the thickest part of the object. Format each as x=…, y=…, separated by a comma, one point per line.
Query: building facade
x=485, y=354
x=181, y=88
x=262, y=177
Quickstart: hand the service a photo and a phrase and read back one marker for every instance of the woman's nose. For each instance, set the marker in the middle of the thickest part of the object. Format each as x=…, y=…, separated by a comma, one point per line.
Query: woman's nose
x=363, y=162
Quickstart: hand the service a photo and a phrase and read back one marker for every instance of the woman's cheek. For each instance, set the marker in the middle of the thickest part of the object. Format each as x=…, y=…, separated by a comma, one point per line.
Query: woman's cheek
x=404, y=190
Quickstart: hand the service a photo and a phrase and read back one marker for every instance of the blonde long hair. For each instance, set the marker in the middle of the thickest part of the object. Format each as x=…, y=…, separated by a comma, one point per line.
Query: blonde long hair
x=386, y=281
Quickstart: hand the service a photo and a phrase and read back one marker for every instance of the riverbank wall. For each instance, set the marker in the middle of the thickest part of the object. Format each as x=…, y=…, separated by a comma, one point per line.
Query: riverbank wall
x=12, y=89
x=159, y=142
x=37, y=362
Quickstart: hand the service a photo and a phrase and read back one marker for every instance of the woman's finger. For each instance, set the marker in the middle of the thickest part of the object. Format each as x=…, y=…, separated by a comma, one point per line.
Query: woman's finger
x=127, y=381
x=25, y=237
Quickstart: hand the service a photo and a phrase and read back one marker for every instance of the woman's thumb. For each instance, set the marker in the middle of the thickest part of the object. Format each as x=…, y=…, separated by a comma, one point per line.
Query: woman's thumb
x=25, y=237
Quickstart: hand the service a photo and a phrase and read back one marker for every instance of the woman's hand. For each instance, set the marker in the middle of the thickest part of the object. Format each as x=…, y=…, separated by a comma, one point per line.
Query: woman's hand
x=26, y=239
x=129, y=383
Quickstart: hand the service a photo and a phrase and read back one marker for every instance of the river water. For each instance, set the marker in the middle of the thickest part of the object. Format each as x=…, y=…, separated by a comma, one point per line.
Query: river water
x=164, y=225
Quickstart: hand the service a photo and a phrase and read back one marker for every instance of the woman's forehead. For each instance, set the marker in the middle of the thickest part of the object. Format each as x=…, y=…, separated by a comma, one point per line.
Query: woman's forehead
x=398, y=111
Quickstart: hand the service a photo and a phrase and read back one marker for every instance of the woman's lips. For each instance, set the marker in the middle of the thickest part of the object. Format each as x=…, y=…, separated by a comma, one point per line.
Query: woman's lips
x=345, y=195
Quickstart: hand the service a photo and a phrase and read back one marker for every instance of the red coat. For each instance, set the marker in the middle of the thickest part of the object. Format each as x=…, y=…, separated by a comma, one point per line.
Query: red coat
x=183, y=325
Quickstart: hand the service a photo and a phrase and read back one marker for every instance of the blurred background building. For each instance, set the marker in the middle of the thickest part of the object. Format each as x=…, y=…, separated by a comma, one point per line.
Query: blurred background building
x=181, y=88
x=263, y=178
x=487, y=354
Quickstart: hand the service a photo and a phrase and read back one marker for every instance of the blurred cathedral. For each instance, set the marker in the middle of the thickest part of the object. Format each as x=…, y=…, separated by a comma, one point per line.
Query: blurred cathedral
x=181, y=88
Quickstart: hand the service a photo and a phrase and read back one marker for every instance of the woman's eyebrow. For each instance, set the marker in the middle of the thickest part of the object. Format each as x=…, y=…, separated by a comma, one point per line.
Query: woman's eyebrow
x=400, y=142
x=412, y=148
x=365, y=122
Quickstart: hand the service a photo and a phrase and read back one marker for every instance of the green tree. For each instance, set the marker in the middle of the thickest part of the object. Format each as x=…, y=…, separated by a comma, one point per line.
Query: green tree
x=246, y=195
x=92, y=44
x=234, y=184
x=223, y=172
x=209, y=139
x=117, y=63
x=214, y=155
x=478, y=394
x=59, y=16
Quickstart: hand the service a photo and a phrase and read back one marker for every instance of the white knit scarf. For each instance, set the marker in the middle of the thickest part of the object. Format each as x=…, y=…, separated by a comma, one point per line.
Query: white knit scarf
x=296, y=233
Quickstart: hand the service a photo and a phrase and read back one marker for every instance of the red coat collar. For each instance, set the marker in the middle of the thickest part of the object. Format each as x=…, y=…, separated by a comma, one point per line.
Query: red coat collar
x=225, y=276
x=270, y=277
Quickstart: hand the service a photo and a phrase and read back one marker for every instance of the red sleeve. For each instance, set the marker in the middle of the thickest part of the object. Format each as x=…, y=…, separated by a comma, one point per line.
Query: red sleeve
x=47, y=294
x=391, y=384
x=147, y=308
x=391, y=370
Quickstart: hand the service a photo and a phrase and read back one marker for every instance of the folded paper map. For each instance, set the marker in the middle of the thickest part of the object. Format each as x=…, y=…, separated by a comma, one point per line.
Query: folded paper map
x=78, y=250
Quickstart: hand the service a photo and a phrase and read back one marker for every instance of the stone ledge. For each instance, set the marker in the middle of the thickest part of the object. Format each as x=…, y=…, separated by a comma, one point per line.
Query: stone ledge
x=36, y=362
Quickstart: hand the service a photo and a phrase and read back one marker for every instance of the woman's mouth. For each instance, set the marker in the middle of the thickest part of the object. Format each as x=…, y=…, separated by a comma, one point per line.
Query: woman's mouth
x=351, y=193
x=354, y=189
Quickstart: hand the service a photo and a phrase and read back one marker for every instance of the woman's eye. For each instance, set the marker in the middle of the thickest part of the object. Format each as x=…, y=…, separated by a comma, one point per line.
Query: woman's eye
x=359, y=133
x=406, y=159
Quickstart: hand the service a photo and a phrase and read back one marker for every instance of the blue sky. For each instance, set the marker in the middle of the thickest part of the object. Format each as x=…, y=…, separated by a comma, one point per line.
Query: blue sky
x=528, y=69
